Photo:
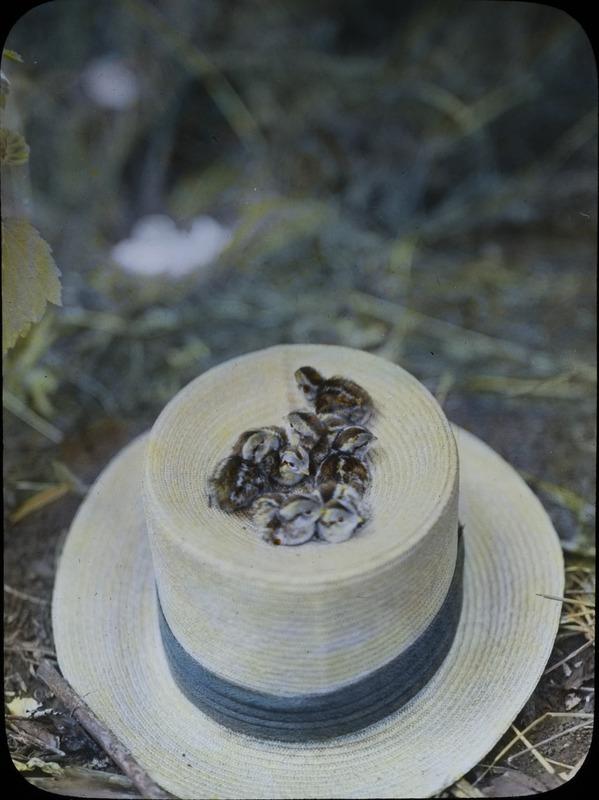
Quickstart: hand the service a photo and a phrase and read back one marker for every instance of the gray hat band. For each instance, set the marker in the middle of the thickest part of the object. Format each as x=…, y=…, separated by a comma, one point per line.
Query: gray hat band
x=324, y=715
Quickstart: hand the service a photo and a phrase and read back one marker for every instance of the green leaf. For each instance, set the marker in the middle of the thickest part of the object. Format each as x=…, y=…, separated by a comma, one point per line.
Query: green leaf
x=13, y=147
x=30, y=279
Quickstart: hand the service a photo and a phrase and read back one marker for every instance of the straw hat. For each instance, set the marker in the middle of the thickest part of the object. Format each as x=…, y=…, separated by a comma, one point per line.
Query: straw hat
x=386, y=665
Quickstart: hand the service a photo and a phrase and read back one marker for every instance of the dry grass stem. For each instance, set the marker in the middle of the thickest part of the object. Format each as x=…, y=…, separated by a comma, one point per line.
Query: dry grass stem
x=39, y=501
x=569, y=656
x=31, y=647
x=464, y=788
x=20, y=409
x=520, y=734
x=531, y=748
x=24, y=596
x=567, y=600
x=469, y=341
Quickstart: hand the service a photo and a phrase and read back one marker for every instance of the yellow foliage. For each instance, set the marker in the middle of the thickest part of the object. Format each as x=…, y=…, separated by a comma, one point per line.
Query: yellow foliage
x=13, y=147
x=30, y=279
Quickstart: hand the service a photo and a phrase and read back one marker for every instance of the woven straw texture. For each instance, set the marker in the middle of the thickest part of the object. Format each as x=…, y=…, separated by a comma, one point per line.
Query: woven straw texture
x=108, y=643
x=288, y=620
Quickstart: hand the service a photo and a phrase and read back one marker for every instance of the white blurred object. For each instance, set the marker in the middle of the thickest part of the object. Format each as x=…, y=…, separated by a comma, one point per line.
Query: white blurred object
x=157, y=247
x=111, y=83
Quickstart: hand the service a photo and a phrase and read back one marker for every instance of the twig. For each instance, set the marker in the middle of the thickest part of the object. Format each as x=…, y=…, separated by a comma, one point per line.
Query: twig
x=104, y=737
x=28, y=738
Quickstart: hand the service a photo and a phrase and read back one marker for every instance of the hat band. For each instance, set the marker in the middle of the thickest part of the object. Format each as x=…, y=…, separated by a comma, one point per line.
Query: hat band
x=305, y=717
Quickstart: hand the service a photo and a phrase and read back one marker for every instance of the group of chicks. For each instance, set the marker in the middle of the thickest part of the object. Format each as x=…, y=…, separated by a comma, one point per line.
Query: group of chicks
x=309, y=478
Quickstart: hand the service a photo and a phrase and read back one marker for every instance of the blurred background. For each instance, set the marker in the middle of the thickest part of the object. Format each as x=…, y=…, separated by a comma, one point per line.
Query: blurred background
x=415, y=179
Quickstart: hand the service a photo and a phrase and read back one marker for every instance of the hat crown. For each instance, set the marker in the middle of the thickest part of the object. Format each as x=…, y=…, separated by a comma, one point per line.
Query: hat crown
x=317, y=617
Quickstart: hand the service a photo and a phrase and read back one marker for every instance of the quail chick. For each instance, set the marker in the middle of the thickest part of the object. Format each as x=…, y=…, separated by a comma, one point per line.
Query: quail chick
x=324, y=444
x=236, y=483
x=343, y=468
x=354, y=440
x=345, y=494
x=297, y=518
x=344, y=398
x=261, y=445
x=334, y=396
x=306, y=428
x=265, y=511
x=309, y=381
x=292, y=466
x=337, y=522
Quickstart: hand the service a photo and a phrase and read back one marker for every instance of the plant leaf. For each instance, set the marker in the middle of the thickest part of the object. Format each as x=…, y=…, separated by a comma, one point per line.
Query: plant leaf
x=13, y=147
x=30, y=279
x=12, y=54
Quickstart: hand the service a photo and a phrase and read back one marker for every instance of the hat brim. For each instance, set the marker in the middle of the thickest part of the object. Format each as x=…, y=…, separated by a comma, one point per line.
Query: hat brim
x=107, y=636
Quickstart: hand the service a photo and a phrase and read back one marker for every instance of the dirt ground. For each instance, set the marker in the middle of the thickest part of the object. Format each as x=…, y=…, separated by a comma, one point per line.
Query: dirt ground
x=421, y=186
